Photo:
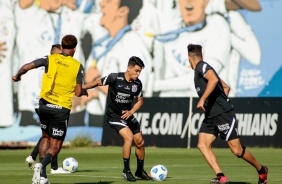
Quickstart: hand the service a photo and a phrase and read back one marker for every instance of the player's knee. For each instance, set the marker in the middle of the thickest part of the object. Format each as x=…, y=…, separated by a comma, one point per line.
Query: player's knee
x=240, y=154
x=128, y=139
x=202, y=146
x=140, y=144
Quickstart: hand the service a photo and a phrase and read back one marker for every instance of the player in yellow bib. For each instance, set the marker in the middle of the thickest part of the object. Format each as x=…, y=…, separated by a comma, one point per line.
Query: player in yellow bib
x=62, y=79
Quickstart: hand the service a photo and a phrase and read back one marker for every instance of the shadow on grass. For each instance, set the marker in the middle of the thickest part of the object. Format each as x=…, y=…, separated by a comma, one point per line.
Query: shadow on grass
x=238, y=183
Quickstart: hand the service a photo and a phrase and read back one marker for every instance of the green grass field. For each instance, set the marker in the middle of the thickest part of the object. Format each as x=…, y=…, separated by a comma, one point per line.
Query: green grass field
x=104, y=165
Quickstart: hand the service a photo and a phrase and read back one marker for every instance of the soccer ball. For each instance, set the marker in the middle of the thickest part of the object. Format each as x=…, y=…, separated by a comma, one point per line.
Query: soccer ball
x=159, y=173
x=70, y=164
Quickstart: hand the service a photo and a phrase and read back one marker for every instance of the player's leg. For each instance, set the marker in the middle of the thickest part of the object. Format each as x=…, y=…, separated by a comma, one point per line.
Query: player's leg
x=55, y=169
x=207, y=135
x=127, y=137
x=205, y=141
x=54, y=127
x=122, y=129
x=140, y=156
x=242, y=152
x=31, y=159
x=54, y=163
x=229, y=132
x=39, y=170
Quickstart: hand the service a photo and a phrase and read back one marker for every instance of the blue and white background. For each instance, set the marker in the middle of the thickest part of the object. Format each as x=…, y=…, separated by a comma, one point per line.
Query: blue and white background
x=254, y=81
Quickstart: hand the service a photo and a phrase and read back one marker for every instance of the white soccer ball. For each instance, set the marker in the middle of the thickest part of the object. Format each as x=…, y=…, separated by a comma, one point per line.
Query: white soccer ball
x=70, y=164
x=159, y=173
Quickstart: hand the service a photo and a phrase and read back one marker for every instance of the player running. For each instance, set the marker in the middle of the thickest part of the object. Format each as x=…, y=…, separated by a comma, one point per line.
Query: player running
x=219, y=117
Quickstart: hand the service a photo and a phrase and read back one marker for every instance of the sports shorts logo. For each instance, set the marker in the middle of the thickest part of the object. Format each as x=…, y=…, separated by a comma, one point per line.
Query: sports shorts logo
x=43, y=126
x=57, y=132
x=54, y=106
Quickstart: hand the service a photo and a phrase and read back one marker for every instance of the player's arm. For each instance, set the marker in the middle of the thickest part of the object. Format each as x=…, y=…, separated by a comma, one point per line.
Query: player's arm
x=25, y=68
x=211, y=84
x=29, y=66
x=93, y=84
x=137, y=105
x=79, y=80
x=128, y=113
x=108, y=80
x=226, y=88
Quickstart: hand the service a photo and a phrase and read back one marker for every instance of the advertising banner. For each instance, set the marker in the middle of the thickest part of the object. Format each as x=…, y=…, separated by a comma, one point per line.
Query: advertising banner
x=168, y=122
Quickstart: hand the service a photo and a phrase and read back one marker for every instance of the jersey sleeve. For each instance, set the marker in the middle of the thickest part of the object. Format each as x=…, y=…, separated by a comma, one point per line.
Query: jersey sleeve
x=140, y=90
x=203, y=68
x=41, y=62
x=80, y=75
x=109, y=80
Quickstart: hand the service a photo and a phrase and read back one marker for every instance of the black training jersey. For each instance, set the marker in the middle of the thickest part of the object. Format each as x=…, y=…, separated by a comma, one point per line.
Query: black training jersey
x=217, y=102
x=120, y=94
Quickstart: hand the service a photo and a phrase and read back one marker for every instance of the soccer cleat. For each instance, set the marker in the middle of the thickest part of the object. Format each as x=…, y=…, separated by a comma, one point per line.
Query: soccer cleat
x=143, y=175
x=30, y=162
x=36, y=175
x=263, y=177
x=220, y=180
x=60, y=170
x=128, y=176
x=44, y=180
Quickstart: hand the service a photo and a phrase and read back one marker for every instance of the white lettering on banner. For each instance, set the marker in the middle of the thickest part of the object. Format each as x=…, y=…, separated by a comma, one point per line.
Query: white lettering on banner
x=258, y=124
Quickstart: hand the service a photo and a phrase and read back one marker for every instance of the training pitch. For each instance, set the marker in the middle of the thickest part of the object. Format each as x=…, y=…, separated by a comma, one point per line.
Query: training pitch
x=104, y=165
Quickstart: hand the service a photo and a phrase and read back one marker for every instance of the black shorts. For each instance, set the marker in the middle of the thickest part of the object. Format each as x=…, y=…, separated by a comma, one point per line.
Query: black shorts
x=224, y=124
x=132, y=124
x=54, y=122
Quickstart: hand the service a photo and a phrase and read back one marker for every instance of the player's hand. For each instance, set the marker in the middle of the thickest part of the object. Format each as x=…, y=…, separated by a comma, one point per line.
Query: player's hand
x=16, y=78
x=126, y=114
x=200, y=104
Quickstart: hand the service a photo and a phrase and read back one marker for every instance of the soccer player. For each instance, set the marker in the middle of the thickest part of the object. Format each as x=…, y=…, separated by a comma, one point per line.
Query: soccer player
x=219, y=116
x=31, y=159
x=48, y=21
x=62, y=79
x=123, y=88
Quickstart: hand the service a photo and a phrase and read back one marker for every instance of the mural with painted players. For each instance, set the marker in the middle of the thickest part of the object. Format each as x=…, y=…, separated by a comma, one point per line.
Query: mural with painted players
x=238, y=38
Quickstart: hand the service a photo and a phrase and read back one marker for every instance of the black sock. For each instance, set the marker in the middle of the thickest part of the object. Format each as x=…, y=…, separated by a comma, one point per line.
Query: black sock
x=140, y=165
x=54, y=163
x=219, y=175
x=46, y=160
x=43, y=172
x=262, y=170
x=126, y=164
x=35, y=150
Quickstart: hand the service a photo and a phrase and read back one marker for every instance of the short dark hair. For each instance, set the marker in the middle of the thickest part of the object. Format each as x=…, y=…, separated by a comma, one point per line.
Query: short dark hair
x=56, y=46
x=134, y=8
x=69, y=42
x=134, y=60
x=194, y=49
